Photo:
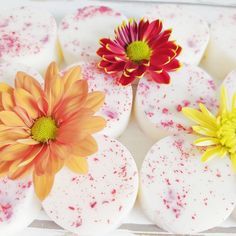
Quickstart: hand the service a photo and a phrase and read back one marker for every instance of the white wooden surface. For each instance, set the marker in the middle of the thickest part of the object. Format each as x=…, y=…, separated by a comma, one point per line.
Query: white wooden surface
x=133, y=137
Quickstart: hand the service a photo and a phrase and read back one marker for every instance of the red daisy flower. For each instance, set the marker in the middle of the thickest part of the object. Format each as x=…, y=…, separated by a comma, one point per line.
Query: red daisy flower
x=139, y=48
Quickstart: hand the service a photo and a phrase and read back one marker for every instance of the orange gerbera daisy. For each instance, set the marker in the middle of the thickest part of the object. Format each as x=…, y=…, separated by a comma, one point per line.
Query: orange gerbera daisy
x=43, y=130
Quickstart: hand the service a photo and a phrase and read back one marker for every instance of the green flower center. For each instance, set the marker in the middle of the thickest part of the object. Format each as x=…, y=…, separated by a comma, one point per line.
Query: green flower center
x=44, y=129
x=227, y=131
x=138, y=51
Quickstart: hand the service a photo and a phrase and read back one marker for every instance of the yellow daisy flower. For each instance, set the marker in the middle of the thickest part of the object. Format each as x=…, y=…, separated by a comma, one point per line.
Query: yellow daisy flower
x=218, y=132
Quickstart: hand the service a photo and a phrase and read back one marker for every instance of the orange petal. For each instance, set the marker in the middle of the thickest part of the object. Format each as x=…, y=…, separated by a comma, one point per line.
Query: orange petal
x=77, y=164
x=29, y=84
x=42, y=160
x=43, y=185
x=7, y=101
x=54, y=165
x=95, y=100
x=85, y=147
x=79, y=88
x=5, y=88
x=71, y=76
x=28, y=141
x=16, y=172
x=14, y=152
x=25, y=100
x=93, y=124
x=4, y=167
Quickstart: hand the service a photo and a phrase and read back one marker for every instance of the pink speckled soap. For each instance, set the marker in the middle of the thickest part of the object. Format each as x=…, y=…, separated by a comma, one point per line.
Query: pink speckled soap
x=181, y=194
x=189, y=30
x=9, y=70
x=79, y=33
x=118, y=101
x=29, y=36
x=18, y=205
x=158, y=107
x=95, y=204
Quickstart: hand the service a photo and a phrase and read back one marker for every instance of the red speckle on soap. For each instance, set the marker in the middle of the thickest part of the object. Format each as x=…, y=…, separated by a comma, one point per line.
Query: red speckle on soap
x=165, y=110
x=111, y=114
x=169, y=123
x=93, y=204
x=179, y=108
x=71, y=208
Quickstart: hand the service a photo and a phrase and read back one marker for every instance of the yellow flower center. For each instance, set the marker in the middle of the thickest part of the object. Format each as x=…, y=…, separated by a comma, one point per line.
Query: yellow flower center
x=138, y=51
x=44, y=129
x=227, y=131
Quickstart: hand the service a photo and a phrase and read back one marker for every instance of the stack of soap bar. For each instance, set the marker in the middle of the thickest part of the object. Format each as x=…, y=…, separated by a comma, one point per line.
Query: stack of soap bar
x=18, y=205
x=9, y=70
x=158, y=107
x=220, y=56
x=95, y=203
x=189, y=30
x=79, y=33
x=180, y=193
x=118, y=99
x=28, y=36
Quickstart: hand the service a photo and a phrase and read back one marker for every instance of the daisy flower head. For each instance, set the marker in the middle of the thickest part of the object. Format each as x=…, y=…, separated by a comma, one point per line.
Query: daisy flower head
x=218, y=133
x=42, y=130
x=139, y=48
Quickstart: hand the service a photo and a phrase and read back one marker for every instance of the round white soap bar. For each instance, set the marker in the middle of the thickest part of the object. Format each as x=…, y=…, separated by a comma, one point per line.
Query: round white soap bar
x=79, y=33
x=181, y=194
x=9, y=70
x=220, y=56
x=158, y=107
x=28, y=36
x=18, y=205
x=230, y=84
x=95, y=203
x=118, y=99
x=190, y=31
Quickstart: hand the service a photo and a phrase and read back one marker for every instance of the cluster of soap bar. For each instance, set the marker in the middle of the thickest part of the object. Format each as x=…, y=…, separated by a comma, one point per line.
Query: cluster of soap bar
x=175, y=186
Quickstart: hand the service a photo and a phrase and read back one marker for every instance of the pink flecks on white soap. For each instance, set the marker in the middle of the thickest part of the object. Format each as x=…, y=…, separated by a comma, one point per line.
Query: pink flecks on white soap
x=159, y=106
x=118, y=99
x=18, y=206
x=28, y=36
x=176, y=187
x=80, y=32
x=190, y=31
x=95, y=203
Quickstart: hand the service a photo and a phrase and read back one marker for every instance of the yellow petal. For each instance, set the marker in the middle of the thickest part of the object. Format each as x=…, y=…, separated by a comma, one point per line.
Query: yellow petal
x=10, y=118
x=198, y=117
x=223, y=100
x=206, y=141
x=93, y=124
x=25, y=100
x=43, y=185
x=77, y=164
x=85, y=147
x=207, y=113
x=95, y=100
x=233, y=160
x=212, y=152
x=204, y=131
x=234, y=101
x=71, y=76
x=5, y=88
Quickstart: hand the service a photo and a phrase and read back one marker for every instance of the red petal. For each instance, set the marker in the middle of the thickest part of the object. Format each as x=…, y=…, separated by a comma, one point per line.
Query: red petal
x=173, y=65
x=124, y=80
x=161, y=78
